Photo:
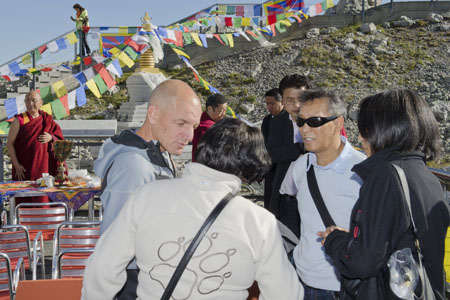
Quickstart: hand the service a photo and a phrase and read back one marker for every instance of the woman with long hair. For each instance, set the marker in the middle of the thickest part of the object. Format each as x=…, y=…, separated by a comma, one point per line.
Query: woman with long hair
x=82, y=22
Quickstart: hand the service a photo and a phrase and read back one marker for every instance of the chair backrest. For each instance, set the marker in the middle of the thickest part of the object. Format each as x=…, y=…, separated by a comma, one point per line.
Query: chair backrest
x=69, y=238
x=44, y=217
x=6, y=277
x=15, y=242
x=70, y=263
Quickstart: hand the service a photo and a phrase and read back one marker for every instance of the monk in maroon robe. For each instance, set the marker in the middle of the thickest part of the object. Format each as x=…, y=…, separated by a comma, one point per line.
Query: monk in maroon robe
x=30, y=141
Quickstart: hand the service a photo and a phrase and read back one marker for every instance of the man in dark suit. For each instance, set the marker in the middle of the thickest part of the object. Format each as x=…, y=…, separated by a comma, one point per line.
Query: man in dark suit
x=274, y=107
x=285, y=146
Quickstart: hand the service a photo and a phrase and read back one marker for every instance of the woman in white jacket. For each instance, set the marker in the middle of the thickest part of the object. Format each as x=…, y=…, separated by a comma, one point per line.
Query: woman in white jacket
x=159, y=221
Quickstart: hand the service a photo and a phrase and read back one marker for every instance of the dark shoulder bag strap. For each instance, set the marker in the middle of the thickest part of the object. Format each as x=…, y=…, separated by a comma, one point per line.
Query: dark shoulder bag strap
x=193, y=246
x=317, y=197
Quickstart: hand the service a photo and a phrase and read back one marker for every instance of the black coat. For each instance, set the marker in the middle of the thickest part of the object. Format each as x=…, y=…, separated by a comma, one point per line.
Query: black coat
x=380, y=222
x=268, y=177
x=283, y=151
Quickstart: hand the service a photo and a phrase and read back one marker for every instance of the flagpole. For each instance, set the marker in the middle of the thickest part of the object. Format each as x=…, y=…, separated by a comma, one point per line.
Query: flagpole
x=33, y=84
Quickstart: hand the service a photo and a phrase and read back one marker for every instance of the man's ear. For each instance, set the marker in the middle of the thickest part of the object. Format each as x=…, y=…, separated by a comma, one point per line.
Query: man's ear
x=340, y=123
x=152, y=114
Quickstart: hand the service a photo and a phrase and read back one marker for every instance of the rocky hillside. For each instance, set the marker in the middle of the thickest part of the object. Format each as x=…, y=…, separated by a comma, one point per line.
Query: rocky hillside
x=354, y=61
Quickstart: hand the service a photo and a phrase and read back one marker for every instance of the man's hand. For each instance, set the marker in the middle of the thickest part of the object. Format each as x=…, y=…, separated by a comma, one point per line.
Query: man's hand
x=20, y=172
x=327, y=231
x=45, y=138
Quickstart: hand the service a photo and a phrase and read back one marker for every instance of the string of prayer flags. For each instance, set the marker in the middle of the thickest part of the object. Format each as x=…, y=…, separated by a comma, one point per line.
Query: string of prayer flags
x=102, y=88
x=224, y=38
x=131, y=53
x=10, y=107
x=26, y=59
x=218, y=38
x=72, y=38
x=204, y=41
x=187, y=38
x=180, y=52
x=123, y=30
x=237, y=22
x=53, y=47
x=93, y=87
x=59, y=88
x=14, y=67
x=196, y=38
x=58, y=109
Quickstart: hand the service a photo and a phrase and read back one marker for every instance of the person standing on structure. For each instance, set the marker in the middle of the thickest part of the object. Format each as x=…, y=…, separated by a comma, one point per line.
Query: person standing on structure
x=81, y=21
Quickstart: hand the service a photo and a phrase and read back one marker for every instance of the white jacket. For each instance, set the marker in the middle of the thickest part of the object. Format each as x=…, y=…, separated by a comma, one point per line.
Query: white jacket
x=156, y=226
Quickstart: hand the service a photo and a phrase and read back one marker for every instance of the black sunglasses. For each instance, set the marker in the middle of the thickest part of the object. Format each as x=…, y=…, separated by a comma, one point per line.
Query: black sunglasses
x=314, y=121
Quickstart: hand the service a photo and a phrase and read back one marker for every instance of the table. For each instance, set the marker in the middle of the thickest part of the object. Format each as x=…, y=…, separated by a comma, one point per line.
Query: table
x=73, y=196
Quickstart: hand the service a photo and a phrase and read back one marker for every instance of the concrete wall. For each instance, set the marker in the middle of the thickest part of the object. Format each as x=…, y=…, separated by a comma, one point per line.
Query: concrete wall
x=377, y=15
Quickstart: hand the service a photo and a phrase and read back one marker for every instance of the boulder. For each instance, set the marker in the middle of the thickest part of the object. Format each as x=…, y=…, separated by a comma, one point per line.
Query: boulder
x=368, y=28
x=435, y=18
x=313, y=33
x=404, y=21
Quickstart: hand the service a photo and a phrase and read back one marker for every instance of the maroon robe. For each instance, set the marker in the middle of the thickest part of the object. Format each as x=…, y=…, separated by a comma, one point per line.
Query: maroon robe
x=35, y=157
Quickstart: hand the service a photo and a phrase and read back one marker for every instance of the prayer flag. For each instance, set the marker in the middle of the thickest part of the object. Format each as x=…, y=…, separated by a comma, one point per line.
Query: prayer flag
x=299, y=20
x=61, y=43
x=80, y=77
x=93, y=87
x=187, y=38
x=89, y=73
x=132, y=29
x=115, y=68
x=47, y=108
x=58, y=109
x=123, y=30
x=71, y=99
x=133, y=54
x=281, y=17
x=312, y=11
x=59, y=88
x=224, y=38
x=81, y=96
x=102, y=88
x=46, y=69
x=196, y=38
x=255, y=21
x=4, y=127
x=10, y=107
x=179, y=52
x=230, y=39
x=330, y=3
x=26, y=60
x=203, y=38
x=20, y=102
x=218, y=38
x=100, y=68
x=42, y=49
x=125, y=59
x=280, y=27
x=72, y=38
x=245, y=22
x=271, y=19
x=318, y=8
x=179, y=38
x=253, y=34
x=285, y=23
x=228, y=21
x=237, y=22
x=46, y=94
x=231, y=9
x=64, y=100
x=222, y=9
x=87, y=60
x=239, y=10
x=257, y=10
x=53, y=47
x=14, y=67
x=37, y=55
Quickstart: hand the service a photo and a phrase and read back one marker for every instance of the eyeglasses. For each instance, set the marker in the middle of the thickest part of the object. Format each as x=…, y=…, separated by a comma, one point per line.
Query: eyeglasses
x=314, y=121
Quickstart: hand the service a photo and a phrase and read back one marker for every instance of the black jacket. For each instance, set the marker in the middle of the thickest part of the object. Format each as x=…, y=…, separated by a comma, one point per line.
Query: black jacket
x=283, y=151
x=380, y=222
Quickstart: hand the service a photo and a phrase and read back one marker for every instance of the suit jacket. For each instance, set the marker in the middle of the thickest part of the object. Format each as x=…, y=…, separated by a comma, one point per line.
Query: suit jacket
x=283, y=151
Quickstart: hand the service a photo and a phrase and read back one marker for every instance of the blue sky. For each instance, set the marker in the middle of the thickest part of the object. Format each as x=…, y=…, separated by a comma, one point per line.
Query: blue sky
x=26, y=24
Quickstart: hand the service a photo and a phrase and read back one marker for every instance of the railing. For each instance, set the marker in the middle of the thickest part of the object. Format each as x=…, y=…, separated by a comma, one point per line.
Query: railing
x=444, y=177
x=79, y=141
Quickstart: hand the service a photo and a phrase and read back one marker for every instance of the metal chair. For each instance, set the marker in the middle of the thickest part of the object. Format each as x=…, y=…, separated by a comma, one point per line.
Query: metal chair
x=73, y=243
x=15, y=242
x=8, y=279
x=44, y=217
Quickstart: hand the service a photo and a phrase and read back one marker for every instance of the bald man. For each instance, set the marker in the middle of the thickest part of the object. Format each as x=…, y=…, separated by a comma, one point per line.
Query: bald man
x=30, y=141
x=133, y=158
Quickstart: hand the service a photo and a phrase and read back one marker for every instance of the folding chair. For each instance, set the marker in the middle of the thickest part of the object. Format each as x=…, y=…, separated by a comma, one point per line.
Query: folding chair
x=44, y=217
x=15, y=242
x=73, y=243
x=8, y=279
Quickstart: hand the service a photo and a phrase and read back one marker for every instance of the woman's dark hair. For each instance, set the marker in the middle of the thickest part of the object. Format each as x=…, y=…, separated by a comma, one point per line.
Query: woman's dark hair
x=76, y=5
x=295, y=81
x=399, y=118
x=274, y=93
x=231, y=146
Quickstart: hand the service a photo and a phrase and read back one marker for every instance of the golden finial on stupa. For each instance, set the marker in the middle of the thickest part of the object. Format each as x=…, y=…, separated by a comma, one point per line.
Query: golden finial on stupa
x=147, y=62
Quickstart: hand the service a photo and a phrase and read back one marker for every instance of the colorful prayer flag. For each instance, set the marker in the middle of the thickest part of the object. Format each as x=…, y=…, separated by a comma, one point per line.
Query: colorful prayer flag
x=47, y=108
x=81, y=96
x=46, y=94
x=59, y=88
x=58, y=109
x=72, y=38
x=93, y=87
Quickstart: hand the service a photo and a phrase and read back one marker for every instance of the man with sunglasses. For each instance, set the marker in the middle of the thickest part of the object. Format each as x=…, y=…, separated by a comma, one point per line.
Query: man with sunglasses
x=284, y=145
x=331, y=156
